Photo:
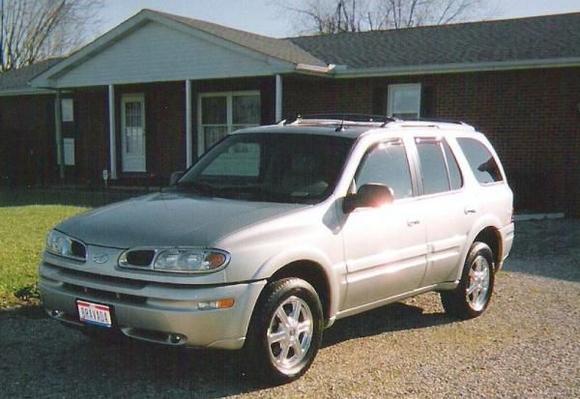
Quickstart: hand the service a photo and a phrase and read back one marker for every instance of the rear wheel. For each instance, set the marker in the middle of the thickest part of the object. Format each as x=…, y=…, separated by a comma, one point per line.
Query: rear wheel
x=286, y=331
x=473, y=294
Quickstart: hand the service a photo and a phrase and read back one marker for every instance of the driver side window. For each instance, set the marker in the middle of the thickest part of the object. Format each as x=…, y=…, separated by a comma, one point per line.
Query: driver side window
x=387, y=164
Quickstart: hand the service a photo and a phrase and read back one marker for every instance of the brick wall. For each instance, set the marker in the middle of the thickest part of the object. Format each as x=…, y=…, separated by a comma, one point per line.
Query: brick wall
x=27, y=143
x=530, y=116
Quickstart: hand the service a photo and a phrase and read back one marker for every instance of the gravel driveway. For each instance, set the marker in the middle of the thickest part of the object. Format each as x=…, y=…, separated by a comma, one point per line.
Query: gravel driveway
x=526, y=345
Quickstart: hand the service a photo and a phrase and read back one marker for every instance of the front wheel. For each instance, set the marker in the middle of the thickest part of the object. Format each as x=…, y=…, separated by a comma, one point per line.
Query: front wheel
x=286, y=330
x=473, y=294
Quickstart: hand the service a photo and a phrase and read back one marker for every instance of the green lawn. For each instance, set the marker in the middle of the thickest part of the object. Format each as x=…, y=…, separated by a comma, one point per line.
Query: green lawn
x=23, y=229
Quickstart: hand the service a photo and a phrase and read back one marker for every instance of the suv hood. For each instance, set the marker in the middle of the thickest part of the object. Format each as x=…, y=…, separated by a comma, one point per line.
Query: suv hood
x=169, y=219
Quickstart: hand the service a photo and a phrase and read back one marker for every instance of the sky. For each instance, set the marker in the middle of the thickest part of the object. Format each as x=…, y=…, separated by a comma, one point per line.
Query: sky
x=264, y=17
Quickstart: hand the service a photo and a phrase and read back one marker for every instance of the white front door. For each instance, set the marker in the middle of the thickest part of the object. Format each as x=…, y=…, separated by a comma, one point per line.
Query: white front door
x=133, y=132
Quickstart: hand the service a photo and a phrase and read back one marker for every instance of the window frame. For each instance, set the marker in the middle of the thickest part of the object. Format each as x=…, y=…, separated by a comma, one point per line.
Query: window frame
x=419, y=168
x=392, y=88
x=229, y=125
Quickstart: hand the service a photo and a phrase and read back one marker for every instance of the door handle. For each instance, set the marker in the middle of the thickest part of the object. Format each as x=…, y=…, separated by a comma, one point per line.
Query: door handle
x=467, y=211
x=412, y=223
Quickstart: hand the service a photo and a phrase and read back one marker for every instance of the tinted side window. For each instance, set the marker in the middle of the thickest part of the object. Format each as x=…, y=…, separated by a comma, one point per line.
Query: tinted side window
x=482, y=163
x=454, y=173
x=433, y=168
x=386, y=163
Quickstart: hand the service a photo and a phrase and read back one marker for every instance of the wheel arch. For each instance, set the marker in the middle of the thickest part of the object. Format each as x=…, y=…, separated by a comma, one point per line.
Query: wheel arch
x=491, y=236
x=313, y=273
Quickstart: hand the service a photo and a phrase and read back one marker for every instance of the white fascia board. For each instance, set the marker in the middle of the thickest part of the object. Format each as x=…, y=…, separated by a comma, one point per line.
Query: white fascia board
x=118, y=82
x=49, y=78
x=26, y=92
x=457, y=68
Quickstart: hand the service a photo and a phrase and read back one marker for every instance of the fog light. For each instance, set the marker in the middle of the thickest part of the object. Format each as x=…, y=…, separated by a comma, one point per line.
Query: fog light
x=219, y=304
x=57, y=313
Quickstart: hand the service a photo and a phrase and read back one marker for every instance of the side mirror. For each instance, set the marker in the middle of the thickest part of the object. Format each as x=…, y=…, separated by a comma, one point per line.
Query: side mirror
x=175, y=176
x=368, y=196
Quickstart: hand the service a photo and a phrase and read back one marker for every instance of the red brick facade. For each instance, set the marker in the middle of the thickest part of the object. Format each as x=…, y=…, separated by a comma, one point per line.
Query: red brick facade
x=531, y=116
x=27, y=143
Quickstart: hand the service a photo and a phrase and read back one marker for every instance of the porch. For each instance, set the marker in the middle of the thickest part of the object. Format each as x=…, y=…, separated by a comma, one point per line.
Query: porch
x=138, y=134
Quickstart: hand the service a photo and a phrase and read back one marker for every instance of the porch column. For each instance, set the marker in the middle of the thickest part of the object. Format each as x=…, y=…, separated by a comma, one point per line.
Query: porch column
x=58, y=134
x=188, y=116
x=278, y=112
x=112, y=134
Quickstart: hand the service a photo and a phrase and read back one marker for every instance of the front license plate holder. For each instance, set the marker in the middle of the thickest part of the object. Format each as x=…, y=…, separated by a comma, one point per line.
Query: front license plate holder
x=95, y=314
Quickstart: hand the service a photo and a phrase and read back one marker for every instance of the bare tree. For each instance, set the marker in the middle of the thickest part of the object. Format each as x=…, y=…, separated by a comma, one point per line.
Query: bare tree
x=33, y=30
x=333, y=16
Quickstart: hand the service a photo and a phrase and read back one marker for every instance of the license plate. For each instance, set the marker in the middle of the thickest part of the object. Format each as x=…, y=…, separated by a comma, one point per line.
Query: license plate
x=94, y=313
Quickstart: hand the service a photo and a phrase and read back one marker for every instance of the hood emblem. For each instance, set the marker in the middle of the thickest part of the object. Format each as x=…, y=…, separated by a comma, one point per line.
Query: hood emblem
x=101, y=258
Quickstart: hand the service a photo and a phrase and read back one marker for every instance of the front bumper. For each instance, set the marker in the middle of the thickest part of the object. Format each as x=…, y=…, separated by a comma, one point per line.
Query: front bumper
x=153, y=311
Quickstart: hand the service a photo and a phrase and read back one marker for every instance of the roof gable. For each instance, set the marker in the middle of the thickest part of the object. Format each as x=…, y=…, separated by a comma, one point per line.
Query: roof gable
x=153, y=46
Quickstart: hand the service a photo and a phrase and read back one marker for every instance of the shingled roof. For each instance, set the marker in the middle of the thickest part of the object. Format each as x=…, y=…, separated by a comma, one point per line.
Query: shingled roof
x=554, y=38
x=535, y=38
x=17, y=80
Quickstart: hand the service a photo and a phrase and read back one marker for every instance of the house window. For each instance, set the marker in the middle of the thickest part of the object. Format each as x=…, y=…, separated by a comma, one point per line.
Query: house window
x=222, y=113
x=404, y=101
x=67, y=109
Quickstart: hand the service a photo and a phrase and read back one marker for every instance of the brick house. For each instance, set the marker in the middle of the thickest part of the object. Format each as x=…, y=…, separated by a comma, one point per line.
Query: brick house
x=152, y=94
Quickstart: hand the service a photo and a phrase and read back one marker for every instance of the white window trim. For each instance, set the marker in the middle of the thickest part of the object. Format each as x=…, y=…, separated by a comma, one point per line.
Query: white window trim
x=394, y=87
x=229, y=110
x=127, y=97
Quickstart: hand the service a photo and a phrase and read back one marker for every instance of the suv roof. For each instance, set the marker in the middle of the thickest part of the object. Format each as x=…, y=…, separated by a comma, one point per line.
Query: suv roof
x=354, y=125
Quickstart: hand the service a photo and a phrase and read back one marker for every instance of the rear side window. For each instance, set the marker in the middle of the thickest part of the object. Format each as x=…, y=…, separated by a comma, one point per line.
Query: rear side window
x=386, y=163
x=482, y=163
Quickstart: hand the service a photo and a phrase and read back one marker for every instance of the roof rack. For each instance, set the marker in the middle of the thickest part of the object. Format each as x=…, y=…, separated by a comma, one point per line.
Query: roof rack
x=342, y=119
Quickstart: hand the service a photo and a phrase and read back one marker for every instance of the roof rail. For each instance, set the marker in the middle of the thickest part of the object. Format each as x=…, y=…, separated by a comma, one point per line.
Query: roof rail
x=437, y=120
x=351, y=117
x=344, y=119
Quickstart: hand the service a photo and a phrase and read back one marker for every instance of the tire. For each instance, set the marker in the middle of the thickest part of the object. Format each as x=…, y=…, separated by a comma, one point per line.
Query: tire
x=285, y=331
x=473, y=294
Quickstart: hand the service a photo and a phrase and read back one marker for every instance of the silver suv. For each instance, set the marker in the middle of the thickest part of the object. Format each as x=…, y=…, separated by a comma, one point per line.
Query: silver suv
x=277, y=231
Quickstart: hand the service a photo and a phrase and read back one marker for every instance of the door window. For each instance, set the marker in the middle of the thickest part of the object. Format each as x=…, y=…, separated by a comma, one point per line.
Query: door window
x=386, y=163
x=222, y=113
x=455, y=178
x=433, y=168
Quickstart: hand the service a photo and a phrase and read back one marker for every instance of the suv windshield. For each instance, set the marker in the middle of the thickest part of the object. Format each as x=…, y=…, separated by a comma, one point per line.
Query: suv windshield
x=270, y=167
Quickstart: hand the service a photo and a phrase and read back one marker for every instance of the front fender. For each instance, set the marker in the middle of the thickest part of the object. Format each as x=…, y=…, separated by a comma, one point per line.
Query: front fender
x=334, y=272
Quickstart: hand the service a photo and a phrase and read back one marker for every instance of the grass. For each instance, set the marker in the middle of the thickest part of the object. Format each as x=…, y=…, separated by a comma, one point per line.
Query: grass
x=23, y=231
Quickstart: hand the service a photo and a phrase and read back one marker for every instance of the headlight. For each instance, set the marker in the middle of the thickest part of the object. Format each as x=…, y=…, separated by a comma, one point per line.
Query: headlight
x=184, y=260
x=176, y=260
x=60, y=244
